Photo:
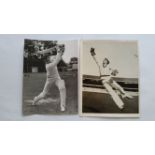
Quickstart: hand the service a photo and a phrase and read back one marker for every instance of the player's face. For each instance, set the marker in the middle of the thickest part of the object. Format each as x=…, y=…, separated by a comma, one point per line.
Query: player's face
x=36, y=49
x=105, y=63
x=52, y=58
x=63, y=49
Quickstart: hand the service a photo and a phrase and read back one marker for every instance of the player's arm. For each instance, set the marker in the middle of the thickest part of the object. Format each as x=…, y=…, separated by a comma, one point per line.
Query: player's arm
x=93, y=54
x=43, y=52
x=58, y=58
x=114, y=72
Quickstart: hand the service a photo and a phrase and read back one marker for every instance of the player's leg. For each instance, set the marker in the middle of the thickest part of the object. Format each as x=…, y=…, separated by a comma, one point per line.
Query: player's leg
x=114, y=95
x=43, y=94
x=61, y=86
x=115, y=85
x=118, y=87
x=48, y=100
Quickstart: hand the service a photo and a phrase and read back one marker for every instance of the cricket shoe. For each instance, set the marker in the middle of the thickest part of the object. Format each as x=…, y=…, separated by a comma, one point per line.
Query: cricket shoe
x=62, y=108
x=121, y=107
x=34, y=101
x=127, y=96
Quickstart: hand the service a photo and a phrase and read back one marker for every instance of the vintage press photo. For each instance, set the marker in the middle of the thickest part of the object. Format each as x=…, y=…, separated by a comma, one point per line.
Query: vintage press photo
x=50, y=74
x=109, y=78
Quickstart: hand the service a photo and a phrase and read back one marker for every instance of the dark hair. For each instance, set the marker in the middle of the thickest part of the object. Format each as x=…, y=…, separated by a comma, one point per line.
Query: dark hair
x=108, y=62
x=54, y=52
x=62, y=47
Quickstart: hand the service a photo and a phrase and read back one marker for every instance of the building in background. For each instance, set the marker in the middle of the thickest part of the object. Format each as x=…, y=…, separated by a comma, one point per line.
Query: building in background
x=73, y=64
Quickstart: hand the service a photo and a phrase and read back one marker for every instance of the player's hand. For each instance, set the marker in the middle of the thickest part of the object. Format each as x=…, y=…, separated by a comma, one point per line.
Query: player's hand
x=114, y=72
x=92, y=51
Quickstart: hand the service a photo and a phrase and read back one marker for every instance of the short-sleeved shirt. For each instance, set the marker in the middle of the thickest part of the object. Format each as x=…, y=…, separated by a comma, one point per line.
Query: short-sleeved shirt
x=106, y=71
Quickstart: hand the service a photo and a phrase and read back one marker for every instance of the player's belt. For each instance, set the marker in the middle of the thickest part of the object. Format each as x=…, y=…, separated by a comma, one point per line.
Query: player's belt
x=49, y=77
x=104, y=75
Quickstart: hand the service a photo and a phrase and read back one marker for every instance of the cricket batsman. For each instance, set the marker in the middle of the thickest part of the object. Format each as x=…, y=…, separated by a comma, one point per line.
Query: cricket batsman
x=53, y=57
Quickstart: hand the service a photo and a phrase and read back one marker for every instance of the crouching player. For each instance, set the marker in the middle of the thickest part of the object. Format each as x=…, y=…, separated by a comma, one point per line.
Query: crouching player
x=53, y=77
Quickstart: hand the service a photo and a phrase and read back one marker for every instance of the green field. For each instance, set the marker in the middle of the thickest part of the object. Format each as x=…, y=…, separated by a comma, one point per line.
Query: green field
x=33, y=84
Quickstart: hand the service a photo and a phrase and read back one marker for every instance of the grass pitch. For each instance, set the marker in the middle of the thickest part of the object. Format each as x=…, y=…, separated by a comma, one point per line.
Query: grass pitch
x=33, y=84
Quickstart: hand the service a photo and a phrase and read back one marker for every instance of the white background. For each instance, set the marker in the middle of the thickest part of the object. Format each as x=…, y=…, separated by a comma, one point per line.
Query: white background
x=69, y=16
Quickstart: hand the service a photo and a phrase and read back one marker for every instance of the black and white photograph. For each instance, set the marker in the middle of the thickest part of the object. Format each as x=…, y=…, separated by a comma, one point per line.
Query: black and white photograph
x=50, y=77
x=109, y=78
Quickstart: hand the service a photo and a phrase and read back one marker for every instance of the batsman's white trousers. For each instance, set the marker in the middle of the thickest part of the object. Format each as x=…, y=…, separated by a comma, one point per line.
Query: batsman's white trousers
x=48, y=89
